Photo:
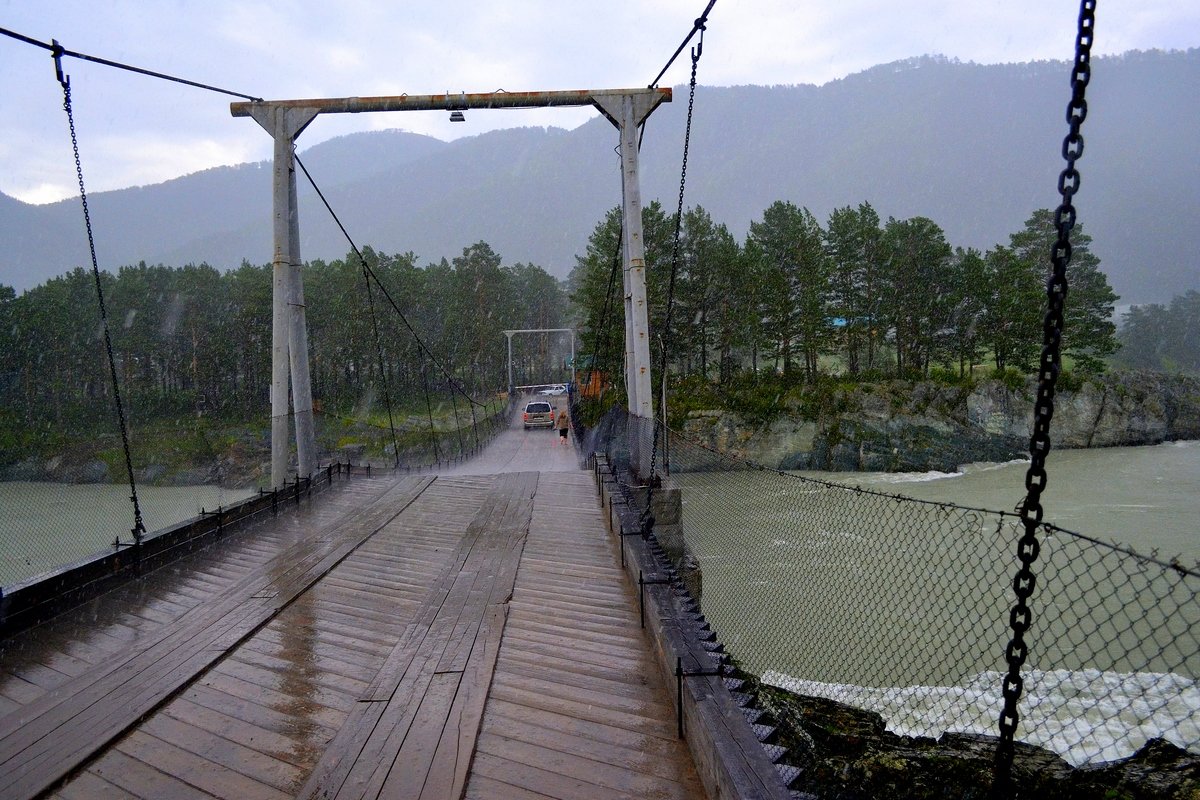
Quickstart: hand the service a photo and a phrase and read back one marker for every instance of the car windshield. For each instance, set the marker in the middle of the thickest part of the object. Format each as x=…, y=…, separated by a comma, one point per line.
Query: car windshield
x=537, y=408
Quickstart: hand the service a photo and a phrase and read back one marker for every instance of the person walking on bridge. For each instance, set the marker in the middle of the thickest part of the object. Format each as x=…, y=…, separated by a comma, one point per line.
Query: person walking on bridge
x=564, y=425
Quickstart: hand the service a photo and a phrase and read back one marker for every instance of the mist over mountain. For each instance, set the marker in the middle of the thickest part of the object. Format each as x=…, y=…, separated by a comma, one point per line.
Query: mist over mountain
x=975, y=148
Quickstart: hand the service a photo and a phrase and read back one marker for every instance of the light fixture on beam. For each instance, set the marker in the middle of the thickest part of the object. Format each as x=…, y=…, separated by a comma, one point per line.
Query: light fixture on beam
x=456, y=105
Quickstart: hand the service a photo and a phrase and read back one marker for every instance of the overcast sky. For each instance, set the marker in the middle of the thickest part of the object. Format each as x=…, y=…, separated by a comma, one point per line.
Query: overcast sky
x=135, y=130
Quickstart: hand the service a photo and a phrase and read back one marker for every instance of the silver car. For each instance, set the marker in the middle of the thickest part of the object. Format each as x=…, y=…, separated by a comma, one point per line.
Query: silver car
x=538, y=414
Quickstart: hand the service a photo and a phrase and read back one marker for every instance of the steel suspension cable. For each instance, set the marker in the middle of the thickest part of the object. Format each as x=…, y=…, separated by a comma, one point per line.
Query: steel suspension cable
x=58, y=51
x=366, y=271
x=391, y=301
x=601, y=338
x=697, y=27
x=1050, y=365
x=139, y=527
x=437, y=453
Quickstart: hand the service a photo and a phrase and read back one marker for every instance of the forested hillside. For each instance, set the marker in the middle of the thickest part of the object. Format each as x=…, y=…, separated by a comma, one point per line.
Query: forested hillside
x=974, y=147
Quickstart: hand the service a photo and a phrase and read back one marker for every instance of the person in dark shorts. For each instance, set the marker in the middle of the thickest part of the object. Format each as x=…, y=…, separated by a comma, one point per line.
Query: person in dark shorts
x=564, y=425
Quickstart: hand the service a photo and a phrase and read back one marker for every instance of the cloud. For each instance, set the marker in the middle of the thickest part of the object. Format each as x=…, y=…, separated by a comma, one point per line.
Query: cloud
x=313, y=48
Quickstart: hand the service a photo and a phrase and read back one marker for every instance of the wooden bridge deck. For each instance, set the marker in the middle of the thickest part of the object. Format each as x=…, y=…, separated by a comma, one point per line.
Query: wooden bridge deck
x=454, y=636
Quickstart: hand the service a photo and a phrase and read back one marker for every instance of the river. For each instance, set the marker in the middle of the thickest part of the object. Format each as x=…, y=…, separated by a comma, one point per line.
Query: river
x=47, y=525
x=902, y=608
x=1144, y=497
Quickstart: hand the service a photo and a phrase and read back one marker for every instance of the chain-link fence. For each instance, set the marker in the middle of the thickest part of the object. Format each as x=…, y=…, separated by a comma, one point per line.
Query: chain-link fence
x=901, y=606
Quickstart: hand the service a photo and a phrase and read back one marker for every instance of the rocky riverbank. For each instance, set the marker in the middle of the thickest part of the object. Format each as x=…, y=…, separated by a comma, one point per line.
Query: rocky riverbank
x=847, y=753
x=903, y=426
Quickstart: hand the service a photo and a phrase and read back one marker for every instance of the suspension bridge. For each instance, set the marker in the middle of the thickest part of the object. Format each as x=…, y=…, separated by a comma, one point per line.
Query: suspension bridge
x=464, y=632
x=524, y=619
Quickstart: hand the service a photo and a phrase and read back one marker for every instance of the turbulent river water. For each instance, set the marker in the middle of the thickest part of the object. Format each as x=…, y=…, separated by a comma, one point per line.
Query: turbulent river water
x=1145, y=497
x=902, y=608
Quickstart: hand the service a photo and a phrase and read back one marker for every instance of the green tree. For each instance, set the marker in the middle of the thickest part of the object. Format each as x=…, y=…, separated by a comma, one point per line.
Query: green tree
x=1163, y=337
x=597, y=290
x=1012, y=317
x=708, y=254
x=480, y=292
x=1089, y=334
x=853, y=239
x=968, y=304
x=918, y=290
x=789, y=245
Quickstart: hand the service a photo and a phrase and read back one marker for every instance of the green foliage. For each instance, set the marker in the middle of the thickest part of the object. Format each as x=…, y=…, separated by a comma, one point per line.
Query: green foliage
x=952, y=377
x=1089, y=335
x=798, y=303
x=1070, y=380
x=1163, y=338
x=193, y=346
x=1012, y=378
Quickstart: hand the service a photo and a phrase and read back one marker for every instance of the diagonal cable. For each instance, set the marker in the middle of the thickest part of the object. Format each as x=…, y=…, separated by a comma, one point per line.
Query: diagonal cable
x=58, y=51
x=697, y=27
x=453, y=383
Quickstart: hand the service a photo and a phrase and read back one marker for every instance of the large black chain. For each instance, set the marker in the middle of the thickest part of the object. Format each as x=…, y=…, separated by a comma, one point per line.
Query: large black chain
x=1049, y=367
x=139, y=527
x=697, y=51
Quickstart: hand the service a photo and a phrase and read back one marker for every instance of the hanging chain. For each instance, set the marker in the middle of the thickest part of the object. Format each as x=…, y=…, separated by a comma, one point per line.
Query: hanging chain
x=697, y=51
x=1049, y=367
x=139, y=527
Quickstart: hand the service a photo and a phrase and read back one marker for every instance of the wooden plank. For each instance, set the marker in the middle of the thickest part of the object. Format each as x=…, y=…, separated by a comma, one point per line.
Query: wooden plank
x=272, y=698
x=536, y=724
x=616, y=777
x=56, y=733
x=89, y=786
x=141, y=779
x=403, y=777
x=577, y=708
x=401, y=733
x=451, y=764
x=484, y=788
x=262, y=740
x=254, y=714
x=542, y=781
x=222, y=754
x=181, y=764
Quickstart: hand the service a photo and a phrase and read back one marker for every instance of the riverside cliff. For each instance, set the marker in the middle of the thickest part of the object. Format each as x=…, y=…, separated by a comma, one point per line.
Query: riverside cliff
x=901, y=426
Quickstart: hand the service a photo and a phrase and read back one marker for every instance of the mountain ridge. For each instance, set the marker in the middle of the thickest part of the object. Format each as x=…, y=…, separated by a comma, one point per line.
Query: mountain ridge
x=974, y=147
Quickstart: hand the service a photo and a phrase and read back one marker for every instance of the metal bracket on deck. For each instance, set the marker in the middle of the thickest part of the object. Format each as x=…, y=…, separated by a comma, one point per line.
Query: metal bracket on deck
x=219, y=514
x=680, y=674
x=642, y=584
x=623, y=534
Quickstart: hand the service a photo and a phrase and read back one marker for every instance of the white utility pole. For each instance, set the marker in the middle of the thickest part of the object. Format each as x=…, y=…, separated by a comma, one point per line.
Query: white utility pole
x=289, y=331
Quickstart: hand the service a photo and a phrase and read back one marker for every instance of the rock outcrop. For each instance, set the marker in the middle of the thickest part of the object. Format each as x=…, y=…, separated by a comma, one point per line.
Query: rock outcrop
x=902, y=426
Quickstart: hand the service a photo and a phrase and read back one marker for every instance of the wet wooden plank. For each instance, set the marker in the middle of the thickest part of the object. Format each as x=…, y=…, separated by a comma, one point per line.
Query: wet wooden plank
x=54, y=734
x=484, y=788
x=419, y=718
x=577, y=707
x=94, y=631
x=449, y=769
x=142, y=780
x=589, y=767
x=90, y=786
x=176, y=762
